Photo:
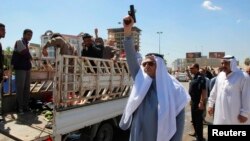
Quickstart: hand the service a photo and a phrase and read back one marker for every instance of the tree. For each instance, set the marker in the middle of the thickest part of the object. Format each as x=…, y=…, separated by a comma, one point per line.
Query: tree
x=247, y=61
x=7, y=56
x=8, y=51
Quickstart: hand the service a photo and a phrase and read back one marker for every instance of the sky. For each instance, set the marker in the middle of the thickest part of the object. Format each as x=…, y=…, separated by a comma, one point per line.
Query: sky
x=186, y=25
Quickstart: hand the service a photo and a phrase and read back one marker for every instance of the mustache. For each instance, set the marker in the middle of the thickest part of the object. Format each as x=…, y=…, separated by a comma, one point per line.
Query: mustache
x=224, y=68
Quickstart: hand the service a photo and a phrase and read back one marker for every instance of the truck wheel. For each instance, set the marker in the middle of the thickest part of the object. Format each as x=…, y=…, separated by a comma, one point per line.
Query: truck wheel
x=105, y=132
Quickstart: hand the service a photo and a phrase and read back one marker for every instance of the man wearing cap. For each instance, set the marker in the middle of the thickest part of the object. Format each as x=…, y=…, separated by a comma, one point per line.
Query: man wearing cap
x=155, y=108
x=230, y=94
x=89, y=49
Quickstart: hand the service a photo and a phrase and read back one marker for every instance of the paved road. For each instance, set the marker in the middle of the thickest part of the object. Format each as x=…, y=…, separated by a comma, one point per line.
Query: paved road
x=5, y=138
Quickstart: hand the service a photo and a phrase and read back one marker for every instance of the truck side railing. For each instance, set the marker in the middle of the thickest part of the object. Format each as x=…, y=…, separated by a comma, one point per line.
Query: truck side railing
x=40, y=80
x=82, y=81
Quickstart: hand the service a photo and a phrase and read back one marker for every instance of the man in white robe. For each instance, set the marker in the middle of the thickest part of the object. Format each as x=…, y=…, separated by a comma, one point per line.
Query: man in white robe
x=230, y=94
x=155, y=108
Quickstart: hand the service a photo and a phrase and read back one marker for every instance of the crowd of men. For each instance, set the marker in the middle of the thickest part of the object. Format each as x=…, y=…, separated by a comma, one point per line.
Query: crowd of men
x=227, y=93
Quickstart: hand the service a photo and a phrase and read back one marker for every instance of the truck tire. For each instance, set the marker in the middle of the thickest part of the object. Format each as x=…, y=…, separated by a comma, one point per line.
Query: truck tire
x=105, y=132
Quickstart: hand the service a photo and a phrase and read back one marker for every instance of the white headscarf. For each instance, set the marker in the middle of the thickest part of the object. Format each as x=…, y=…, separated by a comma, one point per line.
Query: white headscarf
x=233, y=62
x=172, y=98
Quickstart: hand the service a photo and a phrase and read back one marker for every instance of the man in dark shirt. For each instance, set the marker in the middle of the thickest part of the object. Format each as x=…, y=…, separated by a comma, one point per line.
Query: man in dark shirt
x=21, y=61
x=2, y=35
x=208, y=74
x=89, y=49
x=108, y=52
x=197, y=91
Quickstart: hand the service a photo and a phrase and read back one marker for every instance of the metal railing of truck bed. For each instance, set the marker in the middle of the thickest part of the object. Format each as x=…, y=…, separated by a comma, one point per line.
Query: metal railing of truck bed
x=82, y=81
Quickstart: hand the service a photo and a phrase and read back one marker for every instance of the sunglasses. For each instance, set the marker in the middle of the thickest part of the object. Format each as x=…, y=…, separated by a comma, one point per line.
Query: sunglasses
x=151, y=63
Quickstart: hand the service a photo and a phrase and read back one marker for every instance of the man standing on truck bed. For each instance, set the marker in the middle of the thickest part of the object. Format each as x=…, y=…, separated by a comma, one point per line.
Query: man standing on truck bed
x=89, y=48
x=21, y=61
x=155, y=108
x=59, y=42
x=2, y=35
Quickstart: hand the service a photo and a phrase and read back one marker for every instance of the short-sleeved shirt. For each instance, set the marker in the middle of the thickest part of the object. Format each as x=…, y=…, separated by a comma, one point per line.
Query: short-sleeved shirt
x=65, y=47
x=197, y=84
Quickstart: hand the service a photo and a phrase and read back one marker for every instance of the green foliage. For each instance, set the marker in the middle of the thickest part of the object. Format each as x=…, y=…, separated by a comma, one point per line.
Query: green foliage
x=8, y=51
x=7, y=57
x=247, y=61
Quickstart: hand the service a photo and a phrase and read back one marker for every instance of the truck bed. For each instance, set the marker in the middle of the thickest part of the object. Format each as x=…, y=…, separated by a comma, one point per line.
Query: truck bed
x=26, y=127
x=31, y=126
x=94, y=91
x=78, y=118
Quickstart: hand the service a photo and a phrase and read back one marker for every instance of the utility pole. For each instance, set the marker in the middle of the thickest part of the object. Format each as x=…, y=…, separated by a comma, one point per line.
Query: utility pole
x=159, y=33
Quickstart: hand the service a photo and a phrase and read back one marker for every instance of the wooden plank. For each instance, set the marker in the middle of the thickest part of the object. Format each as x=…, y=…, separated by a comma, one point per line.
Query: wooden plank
x=48, y=86
x=42, y=75
x=41, y=86
x=33, y=86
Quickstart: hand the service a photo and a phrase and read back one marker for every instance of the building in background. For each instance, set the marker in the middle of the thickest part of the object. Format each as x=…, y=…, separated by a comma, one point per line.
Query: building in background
x=214, y=60
x=216, y=54
x=117, y=35
x=75, y=40
x=35, y=50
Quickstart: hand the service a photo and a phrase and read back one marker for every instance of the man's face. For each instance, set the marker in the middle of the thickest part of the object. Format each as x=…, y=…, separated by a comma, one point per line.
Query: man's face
x=2, y=32
x=225, y=66
x=202, y=71
x=28, y=36
x=149, y=66
x=88, y=42
x=193, y=69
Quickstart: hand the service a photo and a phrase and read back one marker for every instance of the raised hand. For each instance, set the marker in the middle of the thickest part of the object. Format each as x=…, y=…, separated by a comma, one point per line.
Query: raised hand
x=96, y=32
x=128, y=25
